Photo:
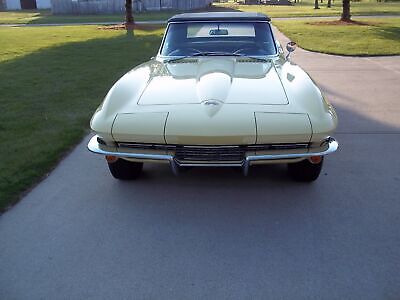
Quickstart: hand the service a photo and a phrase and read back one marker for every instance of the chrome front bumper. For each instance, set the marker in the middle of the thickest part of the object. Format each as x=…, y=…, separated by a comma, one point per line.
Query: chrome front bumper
x=328, y=146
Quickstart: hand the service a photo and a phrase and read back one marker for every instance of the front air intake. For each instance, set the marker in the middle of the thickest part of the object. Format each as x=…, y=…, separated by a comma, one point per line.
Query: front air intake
x=209, y=153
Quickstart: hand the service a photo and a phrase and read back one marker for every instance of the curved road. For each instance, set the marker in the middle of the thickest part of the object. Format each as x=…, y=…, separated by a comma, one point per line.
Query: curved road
x=214, y=234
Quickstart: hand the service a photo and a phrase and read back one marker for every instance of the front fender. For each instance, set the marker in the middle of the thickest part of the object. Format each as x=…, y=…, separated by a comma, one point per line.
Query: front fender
x=304, y=95
x=124, y=95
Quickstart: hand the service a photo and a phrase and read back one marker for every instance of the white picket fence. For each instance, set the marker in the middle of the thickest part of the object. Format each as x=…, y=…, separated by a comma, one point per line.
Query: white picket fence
x=118, y=6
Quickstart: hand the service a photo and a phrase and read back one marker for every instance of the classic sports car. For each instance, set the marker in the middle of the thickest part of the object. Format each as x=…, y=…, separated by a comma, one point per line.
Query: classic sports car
x=219, y=93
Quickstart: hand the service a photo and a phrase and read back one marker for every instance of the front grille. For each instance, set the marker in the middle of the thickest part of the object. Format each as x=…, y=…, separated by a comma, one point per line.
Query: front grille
x=210, y=153
x=234, y=153
x=162, y=147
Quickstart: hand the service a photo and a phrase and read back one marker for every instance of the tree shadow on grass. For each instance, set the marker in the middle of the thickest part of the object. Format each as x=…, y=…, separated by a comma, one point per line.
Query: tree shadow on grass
x=47, y=98
x=390, y=33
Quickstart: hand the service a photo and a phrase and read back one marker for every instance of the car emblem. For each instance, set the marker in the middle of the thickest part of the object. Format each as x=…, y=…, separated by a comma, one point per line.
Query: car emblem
x=211, y=106
x=211, y=102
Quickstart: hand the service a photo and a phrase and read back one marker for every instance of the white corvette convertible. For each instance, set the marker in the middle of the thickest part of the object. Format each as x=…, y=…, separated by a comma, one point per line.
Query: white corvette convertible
x=219, y=93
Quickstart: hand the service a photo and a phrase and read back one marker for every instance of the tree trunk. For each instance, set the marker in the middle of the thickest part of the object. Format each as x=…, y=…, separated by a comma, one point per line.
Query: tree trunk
x=329, y=4
x=316, y=4
x=346, y=11
x=128, y=12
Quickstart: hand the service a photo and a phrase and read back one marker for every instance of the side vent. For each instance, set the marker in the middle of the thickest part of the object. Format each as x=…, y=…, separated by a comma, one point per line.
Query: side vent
x=186, y=61
x=247, y=60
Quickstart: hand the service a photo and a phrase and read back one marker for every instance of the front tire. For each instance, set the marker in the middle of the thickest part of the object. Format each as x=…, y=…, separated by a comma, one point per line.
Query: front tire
x=305, y=171
x=125, y=170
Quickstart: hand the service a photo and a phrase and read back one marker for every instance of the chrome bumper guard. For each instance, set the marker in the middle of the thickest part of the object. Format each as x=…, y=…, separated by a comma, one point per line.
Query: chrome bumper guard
x=328, y=146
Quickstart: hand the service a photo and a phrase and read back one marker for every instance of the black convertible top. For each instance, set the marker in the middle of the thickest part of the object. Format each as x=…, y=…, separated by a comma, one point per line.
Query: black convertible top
x=220, y=16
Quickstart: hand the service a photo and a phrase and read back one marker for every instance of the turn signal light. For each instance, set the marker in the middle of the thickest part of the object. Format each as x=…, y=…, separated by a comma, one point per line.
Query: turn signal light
x=315, y=159
x=111, y=159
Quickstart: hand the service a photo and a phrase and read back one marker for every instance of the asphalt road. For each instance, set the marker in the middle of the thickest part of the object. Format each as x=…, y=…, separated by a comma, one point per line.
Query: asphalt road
x=214, y=234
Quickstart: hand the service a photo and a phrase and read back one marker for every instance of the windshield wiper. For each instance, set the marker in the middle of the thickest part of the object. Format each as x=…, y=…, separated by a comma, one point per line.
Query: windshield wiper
x=261, y=59
x=232, y=54
x=209, y=53
x=177, y=58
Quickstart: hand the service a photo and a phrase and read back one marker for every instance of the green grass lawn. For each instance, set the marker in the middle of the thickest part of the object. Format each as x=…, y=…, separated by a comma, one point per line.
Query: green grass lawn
x=303, y=8
x=51, y=81
x=306, y=8
x=46, y=17
x=382, y=37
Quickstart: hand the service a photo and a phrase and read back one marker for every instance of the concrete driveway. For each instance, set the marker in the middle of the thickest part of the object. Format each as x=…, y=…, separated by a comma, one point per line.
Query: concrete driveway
x=214, y=234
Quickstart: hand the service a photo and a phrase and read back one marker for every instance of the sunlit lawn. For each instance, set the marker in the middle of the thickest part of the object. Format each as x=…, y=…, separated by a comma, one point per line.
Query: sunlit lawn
x=46, y=17
x=381, y=37
x=51, y=81
x=306, y=8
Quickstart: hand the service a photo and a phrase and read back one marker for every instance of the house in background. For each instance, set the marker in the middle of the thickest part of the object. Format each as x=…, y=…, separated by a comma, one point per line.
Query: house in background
x=24, y=4
x=118, y=6
x=101, y=6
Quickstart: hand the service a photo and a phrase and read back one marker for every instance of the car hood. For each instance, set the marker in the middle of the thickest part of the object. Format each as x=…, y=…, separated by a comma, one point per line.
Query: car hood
x=227, y=80
x=214, y=101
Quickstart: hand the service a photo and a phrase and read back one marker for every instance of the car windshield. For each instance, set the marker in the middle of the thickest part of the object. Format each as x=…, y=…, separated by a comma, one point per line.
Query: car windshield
x=219, y=38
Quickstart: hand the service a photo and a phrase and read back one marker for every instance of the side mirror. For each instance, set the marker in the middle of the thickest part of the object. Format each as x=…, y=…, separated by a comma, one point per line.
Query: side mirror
x=290, y=47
